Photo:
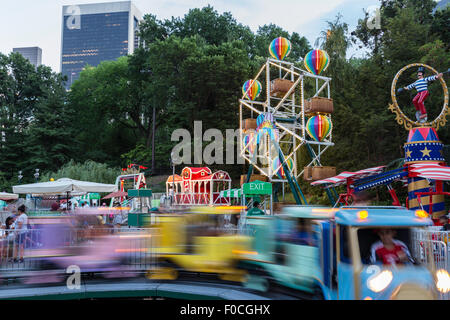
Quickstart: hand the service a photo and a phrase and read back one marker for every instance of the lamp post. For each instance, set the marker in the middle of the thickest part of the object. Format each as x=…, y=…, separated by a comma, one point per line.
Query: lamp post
x=20, y=176
x=36, y=178
x=36, y=175
x=148, y=72
x=173, y=178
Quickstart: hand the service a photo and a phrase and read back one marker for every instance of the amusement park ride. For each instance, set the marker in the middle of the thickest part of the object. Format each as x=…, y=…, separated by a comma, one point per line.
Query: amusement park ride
x=291, y=111
x=424, y=170
x=273, y=129
x=287, y=118
x=198, y=186
x=132, y=178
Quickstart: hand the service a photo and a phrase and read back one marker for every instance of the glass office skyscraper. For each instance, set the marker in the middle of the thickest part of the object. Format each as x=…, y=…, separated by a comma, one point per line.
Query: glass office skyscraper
x=33, y=54
x=93, y=33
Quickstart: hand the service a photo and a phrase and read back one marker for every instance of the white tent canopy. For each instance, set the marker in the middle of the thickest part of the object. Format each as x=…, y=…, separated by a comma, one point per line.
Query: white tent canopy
x=8, y=196
x=63, y=185
x=72, y=194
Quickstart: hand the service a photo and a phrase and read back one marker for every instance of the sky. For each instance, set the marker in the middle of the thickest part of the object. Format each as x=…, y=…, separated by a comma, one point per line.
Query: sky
x=29, y=23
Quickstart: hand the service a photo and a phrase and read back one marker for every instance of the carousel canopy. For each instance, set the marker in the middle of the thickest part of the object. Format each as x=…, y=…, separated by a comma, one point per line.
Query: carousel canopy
x=64, y=185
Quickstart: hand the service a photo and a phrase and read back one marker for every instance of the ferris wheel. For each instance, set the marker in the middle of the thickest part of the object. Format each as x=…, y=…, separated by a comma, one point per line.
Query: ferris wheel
x=278, y=116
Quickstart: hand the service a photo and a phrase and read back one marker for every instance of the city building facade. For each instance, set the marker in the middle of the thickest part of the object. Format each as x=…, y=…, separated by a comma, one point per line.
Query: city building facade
x=92, y=33
x=33, y=54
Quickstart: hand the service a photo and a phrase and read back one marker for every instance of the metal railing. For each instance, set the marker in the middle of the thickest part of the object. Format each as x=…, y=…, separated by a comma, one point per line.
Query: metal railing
x=438, y=242
x=131, y=248
x=432, y=244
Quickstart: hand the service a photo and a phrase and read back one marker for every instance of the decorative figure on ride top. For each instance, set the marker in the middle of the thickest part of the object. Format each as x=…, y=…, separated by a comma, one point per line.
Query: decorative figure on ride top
x=421, y=85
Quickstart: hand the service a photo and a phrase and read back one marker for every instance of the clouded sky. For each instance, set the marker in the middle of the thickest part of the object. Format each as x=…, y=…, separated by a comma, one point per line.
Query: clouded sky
x=27, y=23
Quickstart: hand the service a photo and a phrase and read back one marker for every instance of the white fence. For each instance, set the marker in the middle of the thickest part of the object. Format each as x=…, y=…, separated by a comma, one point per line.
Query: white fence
x=437, y=241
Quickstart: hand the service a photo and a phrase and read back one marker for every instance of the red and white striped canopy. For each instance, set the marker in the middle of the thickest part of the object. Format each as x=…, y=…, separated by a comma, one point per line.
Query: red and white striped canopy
x=343, y=176
x=432, y=171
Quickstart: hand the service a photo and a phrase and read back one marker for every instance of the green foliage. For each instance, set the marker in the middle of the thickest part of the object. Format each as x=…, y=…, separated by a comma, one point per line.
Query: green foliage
x=87, y=171
x=35, y=130
x=439, y=25
x=140, y=154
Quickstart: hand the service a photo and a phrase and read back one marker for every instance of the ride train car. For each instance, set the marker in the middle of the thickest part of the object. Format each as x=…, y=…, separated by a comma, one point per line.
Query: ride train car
x=199, y=242
x=334, y=254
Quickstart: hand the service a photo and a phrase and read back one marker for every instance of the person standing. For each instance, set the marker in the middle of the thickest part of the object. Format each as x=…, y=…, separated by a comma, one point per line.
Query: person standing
x=22, y=228
x=255, y=210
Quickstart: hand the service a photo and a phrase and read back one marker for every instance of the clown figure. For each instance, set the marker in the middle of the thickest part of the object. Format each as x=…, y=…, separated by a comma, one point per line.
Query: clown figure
x=421, y=85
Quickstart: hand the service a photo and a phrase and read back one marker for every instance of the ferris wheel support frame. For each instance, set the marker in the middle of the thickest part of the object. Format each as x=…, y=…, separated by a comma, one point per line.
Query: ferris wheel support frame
x=295, y=115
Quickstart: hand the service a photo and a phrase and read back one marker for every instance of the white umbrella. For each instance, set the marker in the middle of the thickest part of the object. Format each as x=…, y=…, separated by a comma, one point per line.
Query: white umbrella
x=63, y=185
x=8, y=196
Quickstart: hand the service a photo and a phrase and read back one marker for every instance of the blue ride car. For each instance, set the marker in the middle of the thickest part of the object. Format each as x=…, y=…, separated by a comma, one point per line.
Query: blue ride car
x=328, y=253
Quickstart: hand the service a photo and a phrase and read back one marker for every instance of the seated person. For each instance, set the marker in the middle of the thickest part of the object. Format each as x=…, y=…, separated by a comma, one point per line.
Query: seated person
x=443, y=220
x=303, y=234
x=389, y=250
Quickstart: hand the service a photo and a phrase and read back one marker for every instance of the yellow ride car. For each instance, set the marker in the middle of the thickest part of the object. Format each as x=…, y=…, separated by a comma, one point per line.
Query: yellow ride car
x=200, y=241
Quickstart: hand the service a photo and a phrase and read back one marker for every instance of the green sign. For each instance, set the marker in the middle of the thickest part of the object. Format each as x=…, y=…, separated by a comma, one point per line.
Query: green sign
x=91, y=196
x=257, y=187
x=141, y=193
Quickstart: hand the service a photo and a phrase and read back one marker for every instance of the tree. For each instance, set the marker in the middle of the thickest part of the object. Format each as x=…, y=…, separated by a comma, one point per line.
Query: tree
x=50, y=124
x=28, y=96
x=439, y=26
x=208, y=24
x=106, y=113
x=87, y=171
x=265, y=34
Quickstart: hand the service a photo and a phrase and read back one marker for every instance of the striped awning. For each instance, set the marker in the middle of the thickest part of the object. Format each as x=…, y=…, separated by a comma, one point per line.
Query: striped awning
x=341, y=178
x=232, y=193
x=431, y=171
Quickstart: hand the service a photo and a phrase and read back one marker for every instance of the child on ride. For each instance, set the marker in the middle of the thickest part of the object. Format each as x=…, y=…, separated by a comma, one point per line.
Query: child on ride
x=389, y=250
x=421, y=86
